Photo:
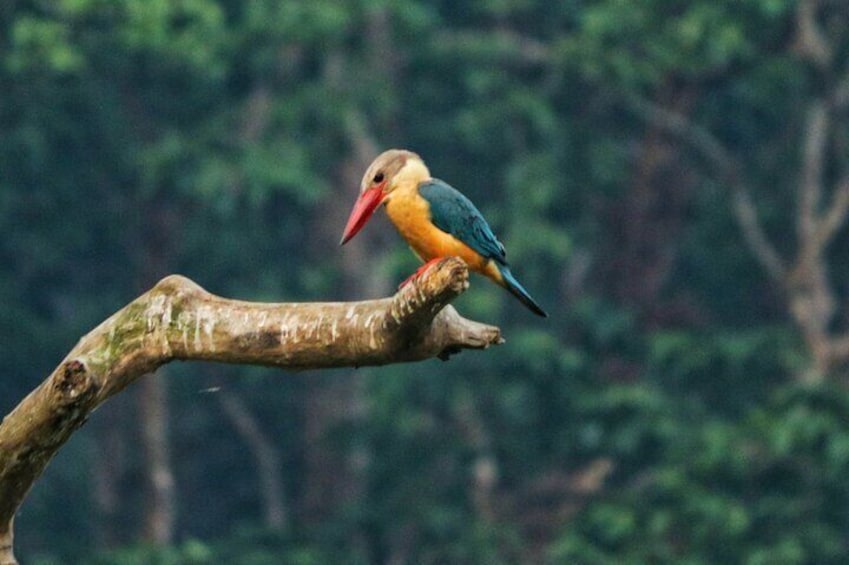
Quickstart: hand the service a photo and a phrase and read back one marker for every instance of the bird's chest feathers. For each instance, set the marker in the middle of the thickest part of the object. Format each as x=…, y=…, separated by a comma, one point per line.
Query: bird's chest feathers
x=410, y=213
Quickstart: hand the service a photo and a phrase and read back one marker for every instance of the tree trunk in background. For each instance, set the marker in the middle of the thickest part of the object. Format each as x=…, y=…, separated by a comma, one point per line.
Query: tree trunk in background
x=109, y=467
x=267, y=457
x=646, y=225
x=160, y=507
x=158, y=503
x=159, y=513
x=484, y=470
x=334, y=478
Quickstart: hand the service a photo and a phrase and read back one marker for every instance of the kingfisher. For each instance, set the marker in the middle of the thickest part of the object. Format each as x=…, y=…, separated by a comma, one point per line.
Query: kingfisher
x=434, y=218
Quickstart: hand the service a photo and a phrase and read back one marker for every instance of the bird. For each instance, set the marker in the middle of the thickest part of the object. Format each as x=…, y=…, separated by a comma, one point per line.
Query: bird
x=434, y=218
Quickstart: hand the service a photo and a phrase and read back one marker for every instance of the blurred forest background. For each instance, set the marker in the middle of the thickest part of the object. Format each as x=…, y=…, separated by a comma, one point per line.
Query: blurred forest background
x=671, y=180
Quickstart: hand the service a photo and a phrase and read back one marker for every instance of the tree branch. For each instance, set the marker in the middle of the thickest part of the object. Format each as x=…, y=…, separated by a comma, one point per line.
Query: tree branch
x=747, y=218
x=811, y=42
x=834, y=218
x=813, y=162
x=840, y=348
x=178, y=320
x=267, y=457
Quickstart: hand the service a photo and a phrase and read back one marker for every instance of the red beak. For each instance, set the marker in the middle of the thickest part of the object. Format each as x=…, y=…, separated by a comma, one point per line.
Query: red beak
x=364, y=207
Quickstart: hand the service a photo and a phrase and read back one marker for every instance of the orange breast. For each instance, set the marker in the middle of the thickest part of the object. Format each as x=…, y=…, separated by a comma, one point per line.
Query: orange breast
x=410, y=214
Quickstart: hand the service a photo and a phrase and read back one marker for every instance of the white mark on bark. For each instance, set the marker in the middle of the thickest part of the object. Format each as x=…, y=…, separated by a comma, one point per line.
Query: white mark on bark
x=371, y=328
x=313, y=328
x=165, y=323
x=395, y=314
x=158, y=313
x=289, y=329
x=197, y=330
x=166, y=344
x=166, y=317
x=369, y=321
x=209, y=326
x=204, y=322
x=372, y=340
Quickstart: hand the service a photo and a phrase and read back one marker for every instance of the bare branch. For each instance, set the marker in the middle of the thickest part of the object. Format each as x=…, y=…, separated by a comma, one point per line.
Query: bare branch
x=840, y=95
x=813, y=162
x=178, y=320
x=502, y=45
x=810, y=41
x=266, y=455
x=840, y=349
x=697, y=137
x=755, y=237
x=834, y=218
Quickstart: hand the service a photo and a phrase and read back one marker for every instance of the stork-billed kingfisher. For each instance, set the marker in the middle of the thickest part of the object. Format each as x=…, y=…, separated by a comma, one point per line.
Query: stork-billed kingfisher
x=435, y=219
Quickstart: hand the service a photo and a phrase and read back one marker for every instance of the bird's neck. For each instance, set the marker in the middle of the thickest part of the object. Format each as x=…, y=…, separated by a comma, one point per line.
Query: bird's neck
x=404, y=206
x=413, y=173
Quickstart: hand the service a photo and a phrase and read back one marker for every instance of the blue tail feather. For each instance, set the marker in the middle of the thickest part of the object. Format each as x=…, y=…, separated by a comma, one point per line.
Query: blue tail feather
x=517, y=290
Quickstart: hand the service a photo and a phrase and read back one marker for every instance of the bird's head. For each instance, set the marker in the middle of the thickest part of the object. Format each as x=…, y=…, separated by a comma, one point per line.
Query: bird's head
x=390, y=170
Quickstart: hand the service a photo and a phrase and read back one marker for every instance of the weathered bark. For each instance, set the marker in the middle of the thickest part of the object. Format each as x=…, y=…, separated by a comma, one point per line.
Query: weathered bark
x=178, y=320
x=7, y=556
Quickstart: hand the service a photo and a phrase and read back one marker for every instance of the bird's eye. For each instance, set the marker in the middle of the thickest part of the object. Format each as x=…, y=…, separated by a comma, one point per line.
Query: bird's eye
x=378, y=177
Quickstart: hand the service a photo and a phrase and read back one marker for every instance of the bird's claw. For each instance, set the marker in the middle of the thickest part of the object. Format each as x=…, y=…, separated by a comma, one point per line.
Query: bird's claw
x=419, y=272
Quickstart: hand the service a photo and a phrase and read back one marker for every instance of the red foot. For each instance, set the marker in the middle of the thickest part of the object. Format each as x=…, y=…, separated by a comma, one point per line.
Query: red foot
x=419, y=272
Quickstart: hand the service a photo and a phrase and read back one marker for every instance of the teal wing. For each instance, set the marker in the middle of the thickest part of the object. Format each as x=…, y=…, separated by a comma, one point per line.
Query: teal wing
x=455, y=214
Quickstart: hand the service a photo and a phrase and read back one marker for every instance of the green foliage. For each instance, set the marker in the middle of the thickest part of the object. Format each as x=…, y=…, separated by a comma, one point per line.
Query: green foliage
x=708, y=365
x=770, y=489
x=627, y=44
x=245, y=547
